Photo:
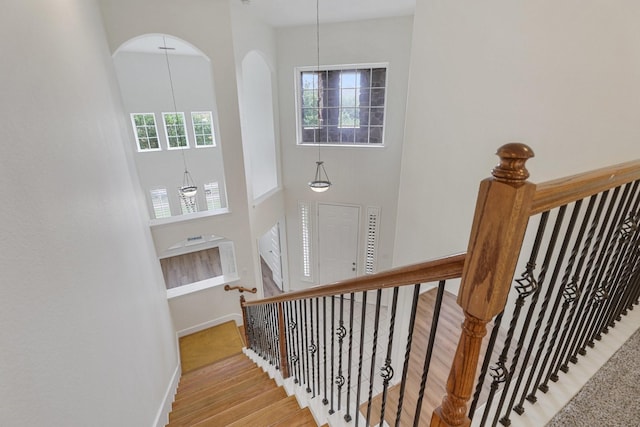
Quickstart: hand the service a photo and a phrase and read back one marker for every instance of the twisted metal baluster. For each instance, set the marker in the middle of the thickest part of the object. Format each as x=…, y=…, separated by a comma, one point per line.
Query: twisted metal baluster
x=580, y=284
x=342, y=332
x=601, y=293
x=407, y=352
x=333, y=317
x=571, y=287
x=386, y=372
x=325, y=401
x=526, y=285
x=610, y=262
x=485, y=364
x=362, y=329
x=626, y=232
x=429, y=353
x=347, y=417
x=534, y=299
x=374, y=347
x=317, y=344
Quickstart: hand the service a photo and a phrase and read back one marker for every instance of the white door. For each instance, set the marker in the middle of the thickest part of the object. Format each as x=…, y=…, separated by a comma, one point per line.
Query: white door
x=337, y=242
x=276, y=259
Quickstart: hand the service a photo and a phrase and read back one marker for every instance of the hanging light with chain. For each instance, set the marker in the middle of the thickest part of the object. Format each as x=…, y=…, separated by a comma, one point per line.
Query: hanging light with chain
x=320, y=181
x=188, y=190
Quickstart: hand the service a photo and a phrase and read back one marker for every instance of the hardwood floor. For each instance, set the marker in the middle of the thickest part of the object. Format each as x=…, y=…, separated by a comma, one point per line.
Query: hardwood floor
x=192, y=267
x=446, y=341
x=269, y=287
x=210, y=345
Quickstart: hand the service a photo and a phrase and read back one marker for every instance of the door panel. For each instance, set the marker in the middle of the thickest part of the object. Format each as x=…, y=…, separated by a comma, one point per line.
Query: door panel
x=337, y=242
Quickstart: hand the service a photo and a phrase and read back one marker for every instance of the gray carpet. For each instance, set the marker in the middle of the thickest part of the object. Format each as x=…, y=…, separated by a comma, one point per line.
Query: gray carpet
x=611, y=398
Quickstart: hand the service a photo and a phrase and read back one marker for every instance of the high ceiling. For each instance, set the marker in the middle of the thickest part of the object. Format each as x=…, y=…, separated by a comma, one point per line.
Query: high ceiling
x=282, y=13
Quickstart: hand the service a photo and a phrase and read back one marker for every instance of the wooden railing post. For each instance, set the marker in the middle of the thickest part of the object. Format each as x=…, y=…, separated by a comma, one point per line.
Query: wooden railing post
x=499, y=225
x=282, y=336
x=244, y=321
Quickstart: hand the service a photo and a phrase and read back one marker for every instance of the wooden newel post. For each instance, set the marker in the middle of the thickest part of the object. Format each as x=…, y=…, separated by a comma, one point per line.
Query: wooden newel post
x=244, y=321
x=282, y=336
x=499, y=225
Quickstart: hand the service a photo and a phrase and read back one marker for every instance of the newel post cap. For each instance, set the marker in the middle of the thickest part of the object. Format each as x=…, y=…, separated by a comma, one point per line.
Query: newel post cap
x=513, y=157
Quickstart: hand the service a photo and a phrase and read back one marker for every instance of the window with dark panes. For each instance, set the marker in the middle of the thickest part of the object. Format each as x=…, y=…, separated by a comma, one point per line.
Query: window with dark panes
x=342, y=106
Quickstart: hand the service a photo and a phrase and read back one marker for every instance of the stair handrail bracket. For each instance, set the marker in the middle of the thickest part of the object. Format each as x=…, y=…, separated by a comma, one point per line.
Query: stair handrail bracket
x=500, y=221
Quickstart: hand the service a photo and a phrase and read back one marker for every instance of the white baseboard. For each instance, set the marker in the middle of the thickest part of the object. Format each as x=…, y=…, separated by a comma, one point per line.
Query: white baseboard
x=162, y=418
x=211, y=323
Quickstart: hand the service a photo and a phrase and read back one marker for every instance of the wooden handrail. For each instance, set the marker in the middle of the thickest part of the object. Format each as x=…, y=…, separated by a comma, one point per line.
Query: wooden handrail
x=431, y=271
x=558, y=192
x=240, y=288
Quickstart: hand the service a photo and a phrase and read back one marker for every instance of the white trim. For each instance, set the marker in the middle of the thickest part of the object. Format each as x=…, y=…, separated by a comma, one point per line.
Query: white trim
x=201, y=285
x=135, y=132
x=187, y=217
x=184, y=125
x=210, y=324
x=162, y=417
x=213, y=130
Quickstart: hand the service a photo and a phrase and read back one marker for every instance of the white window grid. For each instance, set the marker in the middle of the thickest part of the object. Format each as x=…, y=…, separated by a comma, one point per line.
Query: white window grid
x=203, y=130
x=146, y=131
x=176, y=133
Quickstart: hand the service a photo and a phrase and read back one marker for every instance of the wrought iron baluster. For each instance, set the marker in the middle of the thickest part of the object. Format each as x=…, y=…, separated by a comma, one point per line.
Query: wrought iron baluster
x=313, y=348
x=627, y=235
x=333, y=335
x=608, y=282
x=485, y=364
x=577, y=311
x=360, y=354
x=569, y=289
x=342, y=332
x=317, y=344
x=386, y=372
x=347, y=416
x=526, y=285
x=325, y=401
x=374, y=348
x=306, y=346
x=601, y=293
x=407, y=353
x=429, y=353
x=551, y=247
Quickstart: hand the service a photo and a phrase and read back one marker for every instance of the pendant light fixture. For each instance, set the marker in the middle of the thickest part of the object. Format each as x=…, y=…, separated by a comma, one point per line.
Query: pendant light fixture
x=188, y=190
x=320, y=181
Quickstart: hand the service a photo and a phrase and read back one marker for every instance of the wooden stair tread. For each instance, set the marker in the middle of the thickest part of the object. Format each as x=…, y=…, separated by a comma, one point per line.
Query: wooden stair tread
x=210, y=410
x=301, y=418
x=211, y=386
x=241, y=410
x=268, y=416
x=201, y=401
x=224, y=368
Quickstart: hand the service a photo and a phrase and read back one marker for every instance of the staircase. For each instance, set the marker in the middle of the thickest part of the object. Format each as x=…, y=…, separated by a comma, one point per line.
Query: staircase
x=235, y=392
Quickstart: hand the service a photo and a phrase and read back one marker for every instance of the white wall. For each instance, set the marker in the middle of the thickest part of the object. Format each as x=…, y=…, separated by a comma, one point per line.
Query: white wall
x=86, y=333
x=361, y=176
x=258, y=132
x=206, y=26
x=255, y=39
x=559, y=76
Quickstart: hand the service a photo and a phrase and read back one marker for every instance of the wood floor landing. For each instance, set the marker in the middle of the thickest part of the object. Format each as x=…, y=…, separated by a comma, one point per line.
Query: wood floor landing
x=210, y=345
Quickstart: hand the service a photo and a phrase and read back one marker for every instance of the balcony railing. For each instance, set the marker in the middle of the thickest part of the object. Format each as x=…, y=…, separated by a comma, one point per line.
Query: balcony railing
x=576, y=242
